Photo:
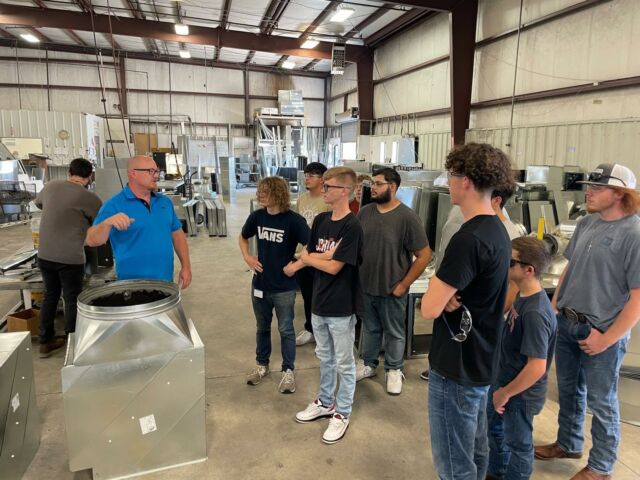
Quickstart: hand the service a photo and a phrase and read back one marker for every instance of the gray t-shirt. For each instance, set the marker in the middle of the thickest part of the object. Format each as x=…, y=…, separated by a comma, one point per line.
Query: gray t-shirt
x=604, y=265
x=389, y=241
x=68, y=210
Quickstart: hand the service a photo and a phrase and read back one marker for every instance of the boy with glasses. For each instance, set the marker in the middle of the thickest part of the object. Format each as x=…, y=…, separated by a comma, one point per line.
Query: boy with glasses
x=526, y=353
x=474, y=269
x=598, y=303
x=334, y=251
x=310, y=204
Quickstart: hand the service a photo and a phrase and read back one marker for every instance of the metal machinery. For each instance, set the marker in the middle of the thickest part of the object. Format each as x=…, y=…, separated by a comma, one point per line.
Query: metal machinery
x=15, y=196
x=549, y=192
x=19, y=417
x=133, y=382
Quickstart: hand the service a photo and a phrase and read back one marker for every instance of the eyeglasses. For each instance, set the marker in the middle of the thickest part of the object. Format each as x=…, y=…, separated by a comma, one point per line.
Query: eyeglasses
x=150, y=171
x=513, y=262
x=379, y=184
x=598, y=177
x=312, y=175
x=454, y=174
x=326, y=187
x=466, y=323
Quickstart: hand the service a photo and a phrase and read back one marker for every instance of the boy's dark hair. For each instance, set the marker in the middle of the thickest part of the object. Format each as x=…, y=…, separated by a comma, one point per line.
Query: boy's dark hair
x=80, y=167
x=533, y=252
x=486, y=166
x=389, y=174
x=315, y=168
x=505, y=192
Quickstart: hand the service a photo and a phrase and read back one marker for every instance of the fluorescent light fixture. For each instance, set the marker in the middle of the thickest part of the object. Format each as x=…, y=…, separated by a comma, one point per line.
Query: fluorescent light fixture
x=181, y=29
x=342, y=13
x=30, y=38
x=309, y=43
x=185, y=53
x=288, y=64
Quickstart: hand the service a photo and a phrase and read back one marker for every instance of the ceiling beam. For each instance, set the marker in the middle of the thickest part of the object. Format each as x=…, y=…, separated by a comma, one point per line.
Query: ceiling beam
x=365, y=23
x=5, y=34
x=85, y=5
x=439, y=5
x=250, y=56
x=53, y=18
x=272, y=16
x=74, y=36
x=224, y=15
x=280, y=61
x=328, y=10
x=309, y=66
x=398, y=25
x=107, y=52
x=40, y=36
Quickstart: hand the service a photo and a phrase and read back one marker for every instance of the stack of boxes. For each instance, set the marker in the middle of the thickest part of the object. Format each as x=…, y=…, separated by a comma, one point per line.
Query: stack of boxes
x=290, y=102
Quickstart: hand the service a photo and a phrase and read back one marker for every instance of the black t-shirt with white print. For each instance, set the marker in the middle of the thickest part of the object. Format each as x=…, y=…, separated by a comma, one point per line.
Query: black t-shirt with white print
x=337, y=295
x=278, y=236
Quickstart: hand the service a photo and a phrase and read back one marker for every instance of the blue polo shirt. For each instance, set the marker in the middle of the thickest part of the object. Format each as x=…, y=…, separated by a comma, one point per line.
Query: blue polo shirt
x=145, y=249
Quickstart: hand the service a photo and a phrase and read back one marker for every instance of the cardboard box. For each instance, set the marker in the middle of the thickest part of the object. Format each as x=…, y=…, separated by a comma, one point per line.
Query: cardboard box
x=24, y=321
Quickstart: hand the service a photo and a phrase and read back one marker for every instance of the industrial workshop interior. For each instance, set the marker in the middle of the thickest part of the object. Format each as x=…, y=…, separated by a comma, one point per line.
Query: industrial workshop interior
x=310, y=239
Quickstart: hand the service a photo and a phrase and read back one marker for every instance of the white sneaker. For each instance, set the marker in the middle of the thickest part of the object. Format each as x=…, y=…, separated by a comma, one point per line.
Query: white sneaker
x=304, y=337
x=288, y=382
x=364, y=371
x=337, y=428
x=255, y=376
x=314, y=411
x=394, y=382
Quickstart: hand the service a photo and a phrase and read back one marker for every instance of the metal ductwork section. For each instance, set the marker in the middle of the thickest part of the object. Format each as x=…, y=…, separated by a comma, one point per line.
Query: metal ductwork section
x=133, y=382
x=19, y=417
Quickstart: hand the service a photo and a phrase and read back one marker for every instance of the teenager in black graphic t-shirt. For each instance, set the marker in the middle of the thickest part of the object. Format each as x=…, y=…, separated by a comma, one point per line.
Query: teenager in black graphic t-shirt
x=278, y=231
x=466, y=298
x=334, y=251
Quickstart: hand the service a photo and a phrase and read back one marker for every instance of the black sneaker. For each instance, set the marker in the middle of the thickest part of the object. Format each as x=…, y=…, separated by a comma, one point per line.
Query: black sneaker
x=50, y=346
x=425, y=375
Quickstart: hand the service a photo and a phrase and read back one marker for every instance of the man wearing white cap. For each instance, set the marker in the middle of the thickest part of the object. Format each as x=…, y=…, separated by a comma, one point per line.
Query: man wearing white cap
x=598, y=303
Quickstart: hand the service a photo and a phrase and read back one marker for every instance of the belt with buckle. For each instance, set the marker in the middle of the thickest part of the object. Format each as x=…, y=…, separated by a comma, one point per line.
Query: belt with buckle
x=577, y=317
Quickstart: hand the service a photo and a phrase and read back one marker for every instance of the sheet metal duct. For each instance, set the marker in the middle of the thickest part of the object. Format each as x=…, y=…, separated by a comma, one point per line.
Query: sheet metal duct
x=19, y=417
x=133, y=382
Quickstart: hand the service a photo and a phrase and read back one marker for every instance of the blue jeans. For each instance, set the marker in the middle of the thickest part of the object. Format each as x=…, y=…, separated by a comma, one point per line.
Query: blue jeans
x=585, y=380
x=511, y=438
x=334, y=348
x=458, y=427
x=384, y=315
x=283, y=303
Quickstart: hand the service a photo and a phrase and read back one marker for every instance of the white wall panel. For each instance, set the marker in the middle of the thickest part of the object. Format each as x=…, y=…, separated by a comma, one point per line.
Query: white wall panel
x=343, y=83
x=333, y=107
x=586, y=144
x=424, y=42
x=313, y=113
x=426, y=89
x=261, y=83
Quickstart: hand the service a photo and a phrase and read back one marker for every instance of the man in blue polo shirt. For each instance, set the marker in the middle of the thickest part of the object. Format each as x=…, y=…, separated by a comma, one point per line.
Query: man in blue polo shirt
x=143, y=228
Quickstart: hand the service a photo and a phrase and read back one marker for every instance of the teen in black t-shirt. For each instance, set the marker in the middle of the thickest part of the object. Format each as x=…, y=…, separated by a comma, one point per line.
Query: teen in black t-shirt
x=279, y=231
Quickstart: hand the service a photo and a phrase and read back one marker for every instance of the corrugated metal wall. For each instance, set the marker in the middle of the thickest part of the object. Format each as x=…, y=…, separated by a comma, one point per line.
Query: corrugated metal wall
x=47, y=125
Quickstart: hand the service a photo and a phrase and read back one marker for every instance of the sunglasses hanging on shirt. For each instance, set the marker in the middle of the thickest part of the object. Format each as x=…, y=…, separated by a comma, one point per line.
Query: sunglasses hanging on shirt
x=466, y=323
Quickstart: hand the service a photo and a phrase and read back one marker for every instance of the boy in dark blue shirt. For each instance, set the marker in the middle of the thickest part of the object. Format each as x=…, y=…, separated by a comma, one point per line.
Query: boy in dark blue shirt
x=526, y=351
x=279, y=231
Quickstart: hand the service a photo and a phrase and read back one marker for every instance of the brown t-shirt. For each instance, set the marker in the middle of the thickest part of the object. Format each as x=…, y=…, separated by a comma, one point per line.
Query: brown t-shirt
x=68, y=210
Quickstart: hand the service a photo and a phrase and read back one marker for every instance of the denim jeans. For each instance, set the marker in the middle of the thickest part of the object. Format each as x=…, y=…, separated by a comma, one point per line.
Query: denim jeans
x=384, y=315
x=283, y=303
x=585, y=380
x=304, y=278
x=59, y=278
x=458, y=427
x=511, y=437
x=334, y=348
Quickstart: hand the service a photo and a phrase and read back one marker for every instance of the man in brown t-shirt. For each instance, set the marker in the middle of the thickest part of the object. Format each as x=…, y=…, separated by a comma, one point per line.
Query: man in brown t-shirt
x=68, y=209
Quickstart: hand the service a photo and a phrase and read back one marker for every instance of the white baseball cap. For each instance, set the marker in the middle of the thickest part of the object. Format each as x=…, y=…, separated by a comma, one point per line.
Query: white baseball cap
x=611, y=175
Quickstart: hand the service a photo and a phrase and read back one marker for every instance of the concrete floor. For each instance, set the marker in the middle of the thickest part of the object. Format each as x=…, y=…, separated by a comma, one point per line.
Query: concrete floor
x=251, y=431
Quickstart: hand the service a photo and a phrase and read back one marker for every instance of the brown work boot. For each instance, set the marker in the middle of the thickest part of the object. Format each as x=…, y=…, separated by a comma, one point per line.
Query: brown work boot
x=553, y=451
x=587, y=474
x=50, y=346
